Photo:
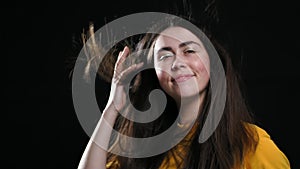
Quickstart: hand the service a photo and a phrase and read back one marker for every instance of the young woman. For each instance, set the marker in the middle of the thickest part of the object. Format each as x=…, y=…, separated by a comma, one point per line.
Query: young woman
x=183, y=68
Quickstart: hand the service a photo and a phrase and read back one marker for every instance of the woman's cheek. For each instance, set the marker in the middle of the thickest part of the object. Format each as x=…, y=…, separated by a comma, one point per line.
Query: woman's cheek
x=163, y=79
x=202, y=66
x=161, y=75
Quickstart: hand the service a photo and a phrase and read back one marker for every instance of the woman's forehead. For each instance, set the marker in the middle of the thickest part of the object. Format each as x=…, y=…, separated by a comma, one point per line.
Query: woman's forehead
x=179, y=34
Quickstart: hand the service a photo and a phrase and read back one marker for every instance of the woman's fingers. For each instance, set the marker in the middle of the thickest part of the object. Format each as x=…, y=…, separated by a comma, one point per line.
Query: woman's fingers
x=124, y=75
x=122, y=71
x=122, y=57
x=131, y=69
x=120, y=60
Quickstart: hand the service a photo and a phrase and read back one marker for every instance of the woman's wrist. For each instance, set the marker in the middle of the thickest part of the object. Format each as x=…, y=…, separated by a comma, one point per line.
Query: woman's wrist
x=110, y=111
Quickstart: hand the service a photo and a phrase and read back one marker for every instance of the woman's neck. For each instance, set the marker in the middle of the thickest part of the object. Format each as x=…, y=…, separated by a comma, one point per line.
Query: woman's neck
x=190, y=107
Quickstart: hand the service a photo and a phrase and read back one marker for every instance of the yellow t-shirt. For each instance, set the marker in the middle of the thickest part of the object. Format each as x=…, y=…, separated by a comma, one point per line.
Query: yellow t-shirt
x=266, y=156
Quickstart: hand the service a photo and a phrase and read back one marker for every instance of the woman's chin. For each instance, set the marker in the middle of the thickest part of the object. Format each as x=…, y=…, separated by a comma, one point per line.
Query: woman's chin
x=187, y=90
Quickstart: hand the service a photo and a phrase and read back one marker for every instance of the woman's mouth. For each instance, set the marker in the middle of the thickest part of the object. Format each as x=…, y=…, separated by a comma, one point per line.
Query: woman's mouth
x=182, y=78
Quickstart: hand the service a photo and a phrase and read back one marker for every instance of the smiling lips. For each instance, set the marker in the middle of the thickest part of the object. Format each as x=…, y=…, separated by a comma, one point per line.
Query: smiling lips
x=182, y=78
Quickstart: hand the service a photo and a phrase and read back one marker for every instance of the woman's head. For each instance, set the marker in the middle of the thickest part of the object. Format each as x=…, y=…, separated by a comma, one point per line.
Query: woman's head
x=181, y=63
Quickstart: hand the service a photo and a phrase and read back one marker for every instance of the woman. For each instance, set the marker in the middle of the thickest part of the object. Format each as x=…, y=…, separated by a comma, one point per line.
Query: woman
x=182, y=62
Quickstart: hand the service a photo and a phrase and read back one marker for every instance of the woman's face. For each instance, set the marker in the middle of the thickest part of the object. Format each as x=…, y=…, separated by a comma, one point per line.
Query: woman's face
x=181, y=63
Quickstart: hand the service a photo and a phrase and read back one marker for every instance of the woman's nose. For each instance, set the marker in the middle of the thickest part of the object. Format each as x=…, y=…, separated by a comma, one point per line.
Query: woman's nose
x=178, y=63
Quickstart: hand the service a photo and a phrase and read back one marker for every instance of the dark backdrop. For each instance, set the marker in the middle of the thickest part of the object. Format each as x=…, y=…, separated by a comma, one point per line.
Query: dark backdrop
x=40, y=127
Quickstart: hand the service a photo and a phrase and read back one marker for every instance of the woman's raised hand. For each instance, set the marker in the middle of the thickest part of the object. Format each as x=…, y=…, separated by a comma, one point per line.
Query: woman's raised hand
x=117, y=97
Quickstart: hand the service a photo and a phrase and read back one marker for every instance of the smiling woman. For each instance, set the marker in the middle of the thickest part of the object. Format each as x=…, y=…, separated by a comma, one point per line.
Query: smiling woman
x=184, y=69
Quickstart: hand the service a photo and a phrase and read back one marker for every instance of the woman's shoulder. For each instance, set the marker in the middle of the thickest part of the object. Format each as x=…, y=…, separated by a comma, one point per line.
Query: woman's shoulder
x=262, y=133
x=267, y=153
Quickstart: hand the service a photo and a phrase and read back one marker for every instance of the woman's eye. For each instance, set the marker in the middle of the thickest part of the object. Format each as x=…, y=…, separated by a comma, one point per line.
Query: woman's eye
x=190, y=51
x=163, y=57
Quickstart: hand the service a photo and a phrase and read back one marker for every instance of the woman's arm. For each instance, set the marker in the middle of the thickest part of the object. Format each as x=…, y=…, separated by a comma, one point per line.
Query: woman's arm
x=95, y=154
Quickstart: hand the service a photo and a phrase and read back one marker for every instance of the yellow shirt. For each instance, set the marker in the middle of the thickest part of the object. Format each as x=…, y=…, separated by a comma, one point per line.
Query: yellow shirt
x=266, y=156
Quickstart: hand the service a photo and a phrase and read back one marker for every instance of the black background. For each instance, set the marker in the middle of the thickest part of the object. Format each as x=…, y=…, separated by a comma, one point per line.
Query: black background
x=40, y=127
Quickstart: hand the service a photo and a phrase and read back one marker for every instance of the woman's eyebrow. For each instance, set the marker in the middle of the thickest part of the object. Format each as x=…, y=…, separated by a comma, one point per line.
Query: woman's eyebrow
x=164, y=49
x=183, y=44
